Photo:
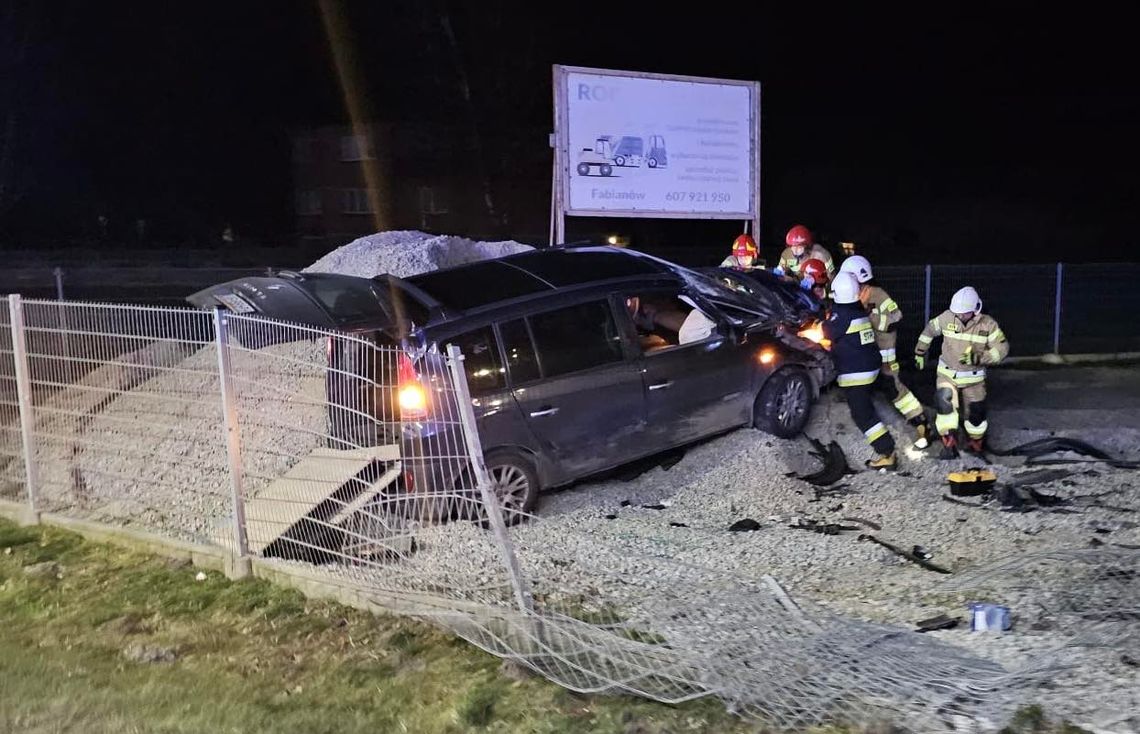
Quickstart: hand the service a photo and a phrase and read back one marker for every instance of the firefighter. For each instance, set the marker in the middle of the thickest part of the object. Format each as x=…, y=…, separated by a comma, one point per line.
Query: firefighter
x=744, y=254
x=885, y=316
x=857, y=361
x=800, y=249
x=815, y=279
x=971, y=341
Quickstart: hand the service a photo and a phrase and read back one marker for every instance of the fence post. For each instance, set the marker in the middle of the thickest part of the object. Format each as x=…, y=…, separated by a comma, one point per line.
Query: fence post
x=24, y=398
x=58, y=274
x=241, y=567
x=1057, y=310
x=926, y=302
x=490, y=500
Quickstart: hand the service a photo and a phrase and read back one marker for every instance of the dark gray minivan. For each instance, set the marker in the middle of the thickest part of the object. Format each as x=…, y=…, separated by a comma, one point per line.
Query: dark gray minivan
x=578, y=359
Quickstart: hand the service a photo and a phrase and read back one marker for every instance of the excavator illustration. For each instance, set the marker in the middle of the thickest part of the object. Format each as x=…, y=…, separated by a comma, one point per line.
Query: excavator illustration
x=625, y=151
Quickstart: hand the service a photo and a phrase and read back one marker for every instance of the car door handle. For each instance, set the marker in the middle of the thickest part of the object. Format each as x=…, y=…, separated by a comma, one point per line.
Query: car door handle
x=547, y=410
x=661, y=385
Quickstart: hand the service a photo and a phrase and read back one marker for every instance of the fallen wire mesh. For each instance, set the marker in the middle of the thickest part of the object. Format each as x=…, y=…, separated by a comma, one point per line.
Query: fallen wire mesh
x=1083, y=597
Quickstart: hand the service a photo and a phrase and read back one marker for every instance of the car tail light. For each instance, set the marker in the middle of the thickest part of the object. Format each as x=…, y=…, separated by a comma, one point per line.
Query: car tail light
x=411, y=394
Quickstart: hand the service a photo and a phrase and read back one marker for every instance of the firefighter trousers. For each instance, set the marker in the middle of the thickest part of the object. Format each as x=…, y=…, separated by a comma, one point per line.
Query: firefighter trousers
x=863, y=412
x=899, y=394
x=952, y=400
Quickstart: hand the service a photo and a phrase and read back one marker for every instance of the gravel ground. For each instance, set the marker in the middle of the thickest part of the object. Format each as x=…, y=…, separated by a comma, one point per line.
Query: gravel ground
x=596, y=540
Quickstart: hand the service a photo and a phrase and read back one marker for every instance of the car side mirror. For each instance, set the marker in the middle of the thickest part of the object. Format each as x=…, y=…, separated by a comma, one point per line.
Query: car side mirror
x=732, y=332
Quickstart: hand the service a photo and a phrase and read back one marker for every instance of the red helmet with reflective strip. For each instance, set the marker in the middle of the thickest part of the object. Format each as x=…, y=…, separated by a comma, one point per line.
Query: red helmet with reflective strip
x=798, y=236
x=816, y=270
x=745, y=246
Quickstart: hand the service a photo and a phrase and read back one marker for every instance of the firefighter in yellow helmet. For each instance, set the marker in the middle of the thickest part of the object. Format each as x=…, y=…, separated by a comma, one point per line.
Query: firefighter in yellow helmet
x=971, y=341
x=801, y=248
x=745, y=254
x=885, y=315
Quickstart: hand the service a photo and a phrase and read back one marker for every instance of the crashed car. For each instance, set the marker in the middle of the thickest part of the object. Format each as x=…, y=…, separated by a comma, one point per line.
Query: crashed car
x=578, y=360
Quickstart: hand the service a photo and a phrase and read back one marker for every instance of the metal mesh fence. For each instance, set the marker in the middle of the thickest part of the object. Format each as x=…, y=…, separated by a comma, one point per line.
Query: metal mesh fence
x=11, y=450
x=333, y=455
x=124, y=403
x=1099, y=304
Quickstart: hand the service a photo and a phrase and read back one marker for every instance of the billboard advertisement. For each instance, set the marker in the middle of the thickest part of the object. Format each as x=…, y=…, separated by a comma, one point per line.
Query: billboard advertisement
x=646, y=145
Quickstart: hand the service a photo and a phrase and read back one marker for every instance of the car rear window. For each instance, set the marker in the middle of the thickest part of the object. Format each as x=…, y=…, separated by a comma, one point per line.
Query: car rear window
x=347, y=300
x=576, y=338
x=479, y=284
x=485, y=371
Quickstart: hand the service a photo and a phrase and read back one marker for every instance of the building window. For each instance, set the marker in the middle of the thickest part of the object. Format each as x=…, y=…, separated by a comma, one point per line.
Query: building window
x=354, y=148
x=355, y=201
x=432, y=200
x=308, y=202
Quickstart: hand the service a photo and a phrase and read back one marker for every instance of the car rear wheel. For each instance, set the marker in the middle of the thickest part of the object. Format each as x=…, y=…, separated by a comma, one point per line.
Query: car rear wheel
x=784, y=404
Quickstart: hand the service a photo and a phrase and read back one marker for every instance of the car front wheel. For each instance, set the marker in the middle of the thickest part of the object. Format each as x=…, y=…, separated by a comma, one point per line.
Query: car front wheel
x=784, y=404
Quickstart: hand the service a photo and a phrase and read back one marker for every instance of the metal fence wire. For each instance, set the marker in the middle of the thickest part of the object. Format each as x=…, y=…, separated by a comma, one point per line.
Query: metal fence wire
x=332, y=455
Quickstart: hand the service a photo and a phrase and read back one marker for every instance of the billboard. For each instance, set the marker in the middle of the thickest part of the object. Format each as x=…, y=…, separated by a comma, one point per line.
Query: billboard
x=647, y=145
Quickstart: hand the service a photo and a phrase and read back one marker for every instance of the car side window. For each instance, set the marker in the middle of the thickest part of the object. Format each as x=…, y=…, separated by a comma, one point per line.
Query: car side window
x=522, y=362
x=667, y=319
x=576, y=338
x=485, y=372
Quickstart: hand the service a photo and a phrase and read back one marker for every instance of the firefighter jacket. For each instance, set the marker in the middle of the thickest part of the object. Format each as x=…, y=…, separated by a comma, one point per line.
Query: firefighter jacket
x=884, y=314
x=852, y=344
x=966, y=348
x=792, y=264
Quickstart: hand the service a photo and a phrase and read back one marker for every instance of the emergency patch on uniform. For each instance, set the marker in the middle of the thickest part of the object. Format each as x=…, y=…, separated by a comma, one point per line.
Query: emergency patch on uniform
x=867, y=336
x=952, y=327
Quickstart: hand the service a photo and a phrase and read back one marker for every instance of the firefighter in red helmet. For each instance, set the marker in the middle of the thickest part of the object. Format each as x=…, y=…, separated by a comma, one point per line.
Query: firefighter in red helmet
x=744, y=254
x=815, y=278
x=800, y=248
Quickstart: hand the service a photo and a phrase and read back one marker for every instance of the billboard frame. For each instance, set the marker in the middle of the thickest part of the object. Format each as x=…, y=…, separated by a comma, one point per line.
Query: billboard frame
x=561, y=143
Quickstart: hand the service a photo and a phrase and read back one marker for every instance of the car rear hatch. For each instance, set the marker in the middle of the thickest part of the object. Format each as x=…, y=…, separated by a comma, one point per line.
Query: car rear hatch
x=323, y=300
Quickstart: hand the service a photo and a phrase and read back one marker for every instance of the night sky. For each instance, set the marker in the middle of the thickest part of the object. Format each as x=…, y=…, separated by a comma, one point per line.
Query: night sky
x=949, y=133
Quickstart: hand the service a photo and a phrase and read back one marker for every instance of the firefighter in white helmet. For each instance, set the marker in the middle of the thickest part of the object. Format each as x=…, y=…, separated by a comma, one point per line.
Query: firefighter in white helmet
x=885, y=315
x=971, y=341
x=857, y=361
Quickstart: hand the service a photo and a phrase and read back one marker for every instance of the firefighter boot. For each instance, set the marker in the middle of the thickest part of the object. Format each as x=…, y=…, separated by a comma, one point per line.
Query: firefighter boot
x=976, y=446
x=949, y=447
x=890, y=462
x=922, y=431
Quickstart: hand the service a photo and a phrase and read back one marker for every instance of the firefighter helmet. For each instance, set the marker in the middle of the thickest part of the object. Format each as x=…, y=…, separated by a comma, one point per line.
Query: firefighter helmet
x=858, y=266
x=965, y=301
x=745, y=246
x=798, y=236
x=845, y=288
x=816, y=270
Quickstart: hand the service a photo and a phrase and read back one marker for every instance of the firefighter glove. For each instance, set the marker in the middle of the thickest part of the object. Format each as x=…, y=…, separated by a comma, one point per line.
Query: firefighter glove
x=969, y=357
x=807, y=282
